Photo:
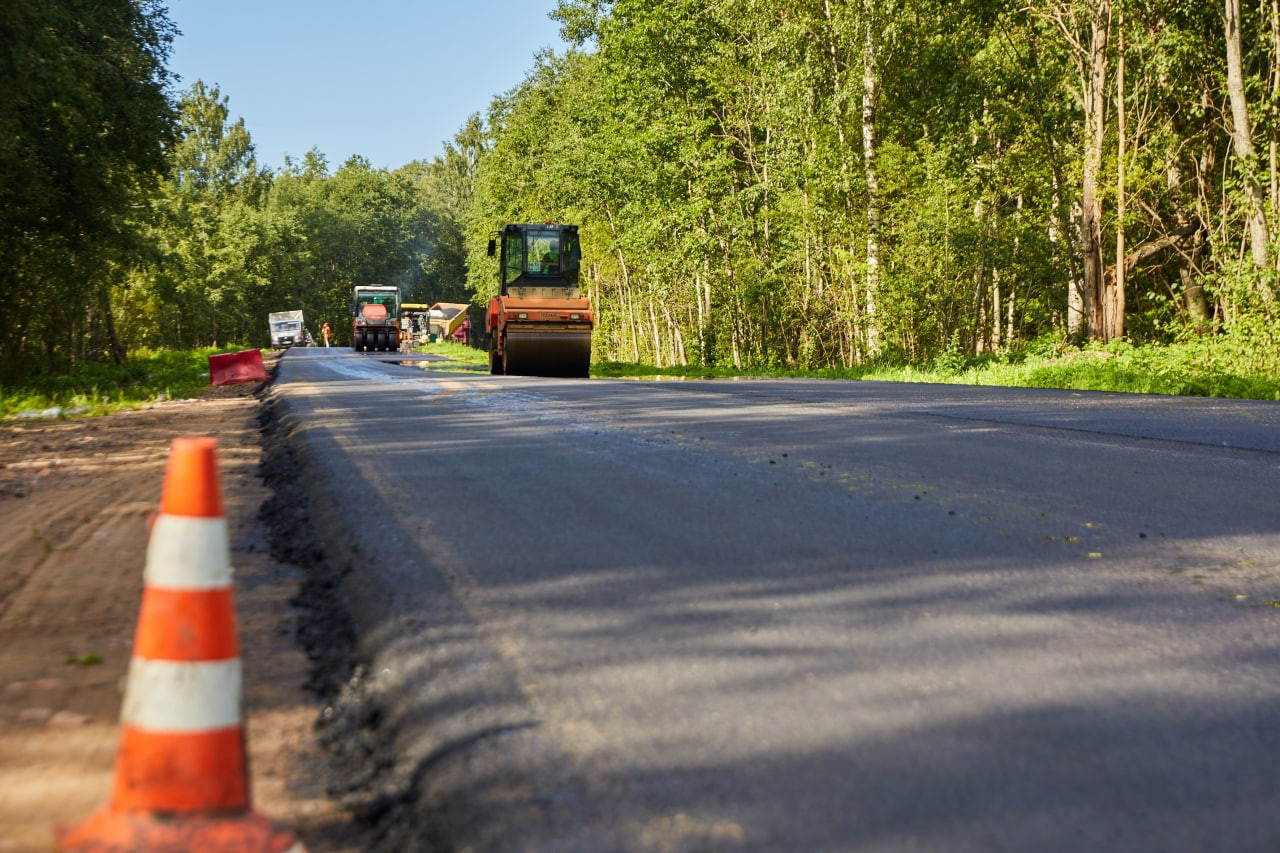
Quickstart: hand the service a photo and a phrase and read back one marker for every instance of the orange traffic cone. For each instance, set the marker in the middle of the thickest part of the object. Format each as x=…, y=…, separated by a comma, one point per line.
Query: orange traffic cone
x=181, y=778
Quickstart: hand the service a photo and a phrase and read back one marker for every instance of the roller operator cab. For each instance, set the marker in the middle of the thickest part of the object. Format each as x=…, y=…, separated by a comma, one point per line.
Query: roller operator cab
x=540, y=323
x=375, y=313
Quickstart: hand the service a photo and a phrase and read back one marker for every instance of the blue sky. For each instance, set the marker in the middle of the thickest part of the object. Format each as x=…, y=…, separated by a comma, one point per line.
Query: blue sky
x=390, y=80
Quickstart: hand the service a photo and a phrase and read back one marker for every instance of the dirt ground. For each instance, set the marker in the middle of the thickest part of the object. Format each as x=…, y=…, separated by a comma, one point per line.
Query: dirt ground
x=75, y=496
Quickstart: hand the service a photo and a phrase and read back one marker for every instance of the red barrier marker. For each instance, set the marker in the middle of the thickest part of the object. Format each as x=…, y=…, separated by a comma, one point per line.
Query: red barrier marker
x=235, y=368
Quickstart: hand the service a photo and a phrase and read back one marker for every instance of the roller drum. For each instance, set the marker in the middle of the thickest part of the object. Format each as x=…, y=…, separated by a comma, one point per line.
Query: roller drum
x=548, y=352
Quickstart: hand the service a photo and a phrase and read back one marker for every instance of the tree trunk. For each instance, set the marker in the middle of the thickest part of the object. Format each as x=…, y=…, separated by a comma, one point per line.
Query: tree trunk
x=1115, y=294
x=1060, y=232
x=118, y=351
x=1273, y=109
x=997, y=318
x=1242, y=139
x=1196, y=302
x=870, y=96
x=702, y=320
x=1150, y=249
x=1090, y=221
x=656, y=329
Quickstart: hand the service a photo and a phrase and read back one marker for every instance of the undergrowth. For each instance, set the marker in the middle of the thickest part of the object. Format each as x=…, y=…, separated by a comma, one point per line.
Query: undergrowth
x=94, y=389
x=456, y=352
x=1204, y=367
x=1239, y=366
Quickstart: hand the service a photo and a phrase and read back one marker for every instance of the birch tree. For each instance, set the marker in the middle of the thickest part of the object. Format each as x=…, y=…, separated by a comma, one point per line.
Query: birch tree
x=1242, y=139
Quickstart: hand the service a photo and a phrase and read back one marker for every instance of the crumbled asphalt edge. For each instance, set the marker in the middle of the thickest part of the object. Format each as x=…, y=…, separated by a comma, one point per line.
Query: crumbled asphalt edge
x=325, y=629
x=410, y=795
x=349, y=726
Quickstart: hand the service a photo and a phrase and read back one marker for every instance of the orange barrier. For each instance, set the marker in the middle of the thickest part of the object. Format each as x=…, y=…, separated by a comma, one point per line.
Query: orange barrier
x=182, y=777
x=234, y=368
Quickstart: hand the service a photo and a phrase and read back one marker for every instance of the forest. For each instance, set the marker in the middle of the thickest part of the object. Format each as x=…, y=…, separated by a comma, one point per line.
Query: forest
x=798, y=184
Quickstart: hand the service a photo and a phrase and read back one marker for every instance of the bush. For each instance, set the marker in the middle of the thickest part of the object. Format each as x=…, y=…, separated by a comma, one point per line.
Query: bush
x=98, y=388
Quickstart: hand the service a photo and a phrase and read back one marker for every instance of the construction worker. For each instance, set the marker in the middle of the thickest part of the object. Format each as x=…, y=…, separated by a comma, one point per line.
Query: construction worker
x=551, y=258
x=325, y=332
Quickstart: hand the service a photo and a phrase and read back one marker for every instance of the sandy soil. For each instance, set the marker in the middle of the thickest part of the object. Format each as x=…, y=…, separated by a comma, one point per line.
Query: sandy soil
x=75, y=496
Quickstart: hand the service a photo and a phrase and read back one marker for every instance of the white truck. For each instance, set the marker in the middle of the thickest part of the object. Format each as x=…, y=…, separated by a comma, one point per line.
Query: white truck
x=286, y=329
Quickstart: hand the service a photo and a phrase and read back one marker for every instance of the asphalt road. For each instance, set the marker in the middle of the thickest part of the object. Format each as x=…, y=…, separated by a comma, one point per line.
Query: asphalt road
x=797, y=615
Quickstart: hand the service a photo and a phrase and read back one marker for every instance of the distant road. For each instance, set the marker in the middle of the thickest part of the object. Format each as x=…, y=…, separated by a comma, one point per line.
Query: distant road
x=789, y=615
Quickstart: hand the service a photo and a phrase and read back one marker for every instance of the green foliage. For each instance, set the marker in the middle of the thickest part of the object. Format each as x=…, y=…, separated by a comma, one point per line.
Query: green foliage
x=234, y=243
x=718, y=159
x=1207, y=367
x=711, y=154
x=456, y=352
x=97, y=388
x=84, y=121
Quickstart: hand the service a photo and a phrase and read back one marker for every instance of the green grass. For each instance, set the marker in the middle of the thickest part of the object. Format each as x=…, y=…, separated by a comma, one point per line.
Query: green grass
x=456, y=352
x=97, y=389
x=632, y=370
x=1206, y=367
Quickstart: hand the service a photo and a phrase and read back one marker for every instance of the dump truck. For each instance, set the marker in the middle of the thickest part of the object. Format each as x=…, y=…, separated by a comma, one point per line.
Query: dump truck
x=375, y=312
x=446, y=318
x=540, y=323
x=286, y=329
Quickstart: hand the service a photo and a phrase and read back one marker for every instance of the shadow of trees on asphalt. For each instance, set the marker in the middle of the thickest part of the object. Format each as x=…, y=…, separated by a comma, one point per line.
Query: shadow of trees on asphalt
x=704, y=634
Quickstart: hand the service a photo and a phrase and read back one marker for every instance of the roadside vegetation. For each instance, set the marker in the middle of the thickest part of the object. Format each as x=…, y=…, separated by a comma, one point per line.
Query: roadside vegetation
x=1202, y=368
x=1206, y=367
x=99, y=388
x=998, y=192
x=460, y=353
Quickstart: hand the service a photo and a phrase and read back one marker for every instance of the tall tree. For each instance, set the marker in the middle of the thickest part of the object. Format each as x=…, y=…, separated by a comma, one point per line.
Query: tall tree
x=213, y=241
x=1242, y=139
x=872, y=35
x=84, y=122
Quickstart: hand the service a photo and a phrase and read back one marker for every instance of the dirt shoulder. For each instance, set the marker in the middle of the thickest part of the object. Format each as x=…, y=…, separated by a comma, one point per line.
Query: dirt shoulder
x=75, y=496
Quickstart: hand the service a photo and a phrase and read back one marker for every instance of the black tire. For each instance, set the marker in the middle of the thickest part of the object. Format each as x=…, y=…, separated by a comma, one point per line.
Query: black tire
x=495, y=360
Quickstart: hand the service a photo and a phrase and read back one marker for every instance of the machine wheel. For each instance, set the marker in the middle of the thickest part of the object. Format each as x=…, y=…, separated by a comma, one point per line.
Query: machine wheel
x=357, y=341
x=495, y=360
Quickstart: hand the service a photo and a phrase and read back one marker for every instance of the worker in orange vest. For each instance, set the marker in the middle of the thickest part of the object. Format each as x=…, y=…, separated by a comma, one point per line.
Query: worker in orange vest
x=325, y=332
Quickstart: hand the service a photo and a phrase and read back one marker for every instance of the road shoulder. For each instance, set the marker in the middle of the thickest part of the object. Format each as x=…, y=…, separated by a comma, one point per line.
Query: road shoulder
x=75, y=497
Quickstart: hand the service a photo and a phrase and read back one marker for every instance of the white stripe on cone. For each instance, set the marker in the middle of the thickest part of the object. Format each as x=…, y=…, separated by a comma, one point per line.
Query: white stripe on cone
x=181, y=696
x=188, y=553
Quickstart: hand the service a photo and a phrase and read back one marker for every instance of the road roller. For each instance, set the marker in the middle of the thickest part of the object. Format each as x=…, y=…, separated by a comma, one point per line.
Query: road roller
x=540, y=323
x=375, y=312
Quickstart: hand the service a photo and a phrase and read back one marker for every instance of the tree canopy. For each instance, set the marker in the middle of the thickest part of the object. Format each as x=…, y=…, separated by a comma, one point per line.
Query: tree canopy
x=758, y=182
x=816, y=184
x=84, y=123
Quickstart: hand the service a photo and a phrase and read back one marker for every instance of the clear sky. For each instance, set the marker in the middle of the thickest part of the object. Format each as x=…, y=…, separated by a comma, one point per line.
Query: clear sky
x=390, y=80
